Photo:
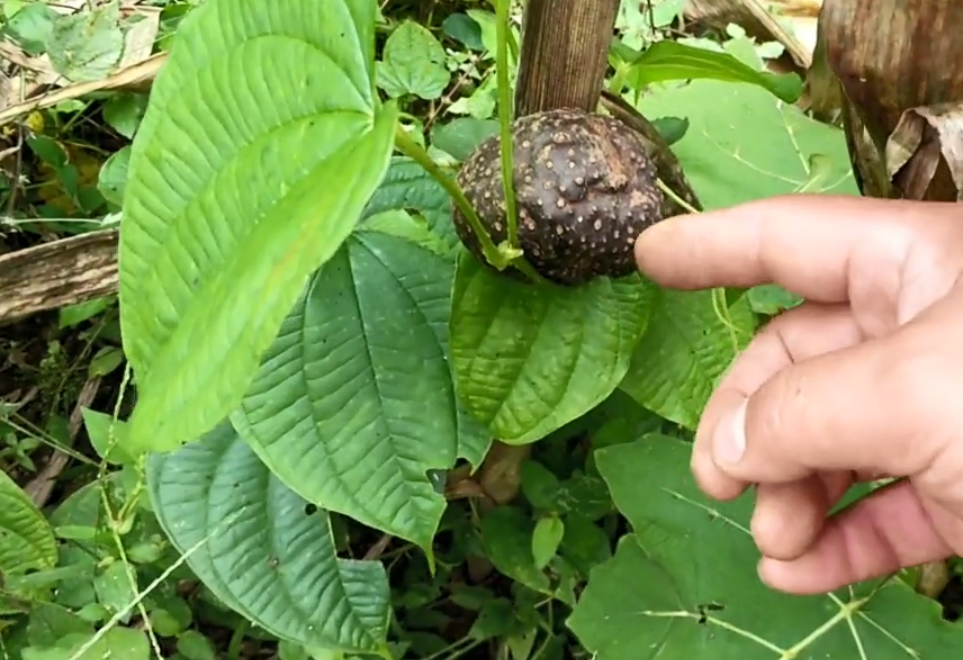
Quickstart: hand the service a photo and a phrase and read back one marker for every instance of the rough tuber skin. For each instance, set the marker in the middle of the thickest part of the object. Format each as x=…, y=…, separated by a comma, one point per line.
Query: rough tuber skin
x=585, y=188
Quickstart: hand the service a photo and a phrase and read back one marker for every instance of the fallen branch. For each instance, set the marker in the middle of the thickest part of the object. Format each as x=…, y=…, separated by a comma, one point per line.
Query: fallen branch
x=139, y=75
x=56, y=274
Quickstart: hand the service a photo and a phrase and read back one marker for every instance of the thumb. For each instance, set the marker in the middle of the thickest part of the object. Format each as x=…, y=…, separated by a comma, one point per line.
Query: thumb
x=875, y=407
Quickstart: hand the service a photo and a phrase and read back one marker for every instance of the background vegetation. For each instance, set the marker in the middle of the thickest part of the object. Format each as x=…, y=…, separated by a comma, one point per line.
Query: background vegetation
x=583, y=544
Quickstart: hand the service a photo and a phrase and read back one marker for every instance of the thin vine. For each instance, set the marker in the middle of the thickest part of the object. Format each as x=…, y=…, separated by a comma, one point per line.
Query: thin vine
x=720, y=304
x=499, y=257
x=502, y=29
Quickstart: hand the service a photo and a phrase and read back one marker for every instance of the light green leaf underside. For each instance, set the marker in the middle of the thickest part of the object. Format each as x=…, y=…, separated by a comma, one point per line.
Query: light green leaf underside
x=257, y=547
x=354, y=402
x=685, y=584
x=745, y=144
x=26, y=540
x=686, y=349
x=408, y=186
x=529, y=359
x=240, y=186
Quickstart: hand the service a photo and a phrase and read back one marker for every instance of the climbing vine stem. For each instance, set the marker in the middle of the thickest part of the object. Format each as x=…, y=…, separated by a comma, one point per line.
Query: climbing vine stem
x=720, y=303
x=497, y=257
x=505, y=112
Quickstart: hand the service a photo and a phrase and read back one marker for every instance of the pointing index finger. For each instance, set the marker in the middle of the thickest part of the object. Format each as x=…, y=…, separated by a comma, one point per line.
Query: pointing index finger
x=808, y=244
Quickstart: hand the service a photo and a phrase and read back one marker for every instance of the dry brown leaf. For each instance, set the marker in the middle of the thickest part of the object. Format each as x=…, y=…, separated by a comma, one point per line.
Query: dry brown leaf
x=144, y=23
x=136, y=76
x=761, y=22
x=901, y=101
x=921, y=140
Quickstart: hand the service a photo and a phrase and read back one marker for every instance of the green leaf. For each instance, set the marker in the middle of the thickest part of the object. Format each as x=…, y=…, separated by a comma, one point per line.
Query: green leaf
x=106, y=435
x=685, y=584
x=413, y=62
x=239, y=189
x=529, y=359
x=195, y=646
x=86, y=45
x=355, y=403
x=126, y=643
x=115, y=589
x=584, y=495
x=539, y=485
x=462, y=135
x=262, y=550
x=585, y=545
x=507, y=538
x=49, y=622
x=462, y=28
x=771, y=299
x=672, y=129
x=670, y=60
x=684, y=352
x=744, y=144
x=70, y=316
x=112, y=180
x=412, y=228
x=26, y=539
x=487, y=26
x=31, y=27
x=546, y=537
x=407, y=186
x=124, y=112
x=495, y=620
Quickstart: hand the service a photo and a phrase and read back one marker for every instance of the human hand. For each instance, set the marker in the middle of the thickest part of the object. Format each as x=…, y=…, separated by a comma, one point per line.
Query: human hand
x=863, y=380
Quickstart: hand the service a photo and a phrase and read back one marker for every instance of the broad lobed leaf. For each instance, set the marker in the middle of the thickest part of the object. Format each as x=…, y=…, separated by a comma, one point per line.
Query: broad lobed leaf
x=684, y=584
x=686, y=349
x=743, y=143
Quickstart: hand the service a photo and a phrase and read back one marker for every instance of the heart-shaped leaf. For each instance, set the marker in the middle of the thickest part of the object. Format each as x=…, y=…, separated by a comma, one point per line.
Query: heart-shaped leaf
x=222, y=225
x=354, y=404
x=531, y=358
x=263, y=550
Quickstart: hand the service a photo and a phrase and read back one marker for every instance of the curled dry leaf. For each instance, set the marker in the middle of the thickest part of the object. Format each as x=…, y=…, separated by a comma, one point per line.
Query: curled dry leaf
x=923, y=138
x=765, y=21
x=901, y=106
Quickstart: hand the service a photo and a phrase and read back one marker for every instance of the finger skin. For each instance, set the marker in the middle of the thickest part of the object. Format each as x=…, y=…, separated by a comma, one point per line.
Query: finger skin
x=809, y=244
x=881, y=400
x=888, y=530
x=886, y=405
x=797, y=335
x=788, y=518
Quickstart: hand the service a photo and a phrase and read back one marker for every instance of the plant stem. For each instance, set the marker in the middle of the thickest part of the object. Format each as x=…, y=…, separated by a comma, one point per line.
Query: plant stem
x=674, y=196
x=720, y=306
x=502, y=30
x=455, y=649
x=407, y=145
x=237, y=640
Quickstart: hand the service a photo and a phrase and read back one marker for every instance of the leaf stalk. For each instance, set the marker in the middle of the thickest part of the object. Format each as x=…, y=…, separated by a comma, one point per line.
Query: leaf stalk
x=500, y=259
x=505, y=111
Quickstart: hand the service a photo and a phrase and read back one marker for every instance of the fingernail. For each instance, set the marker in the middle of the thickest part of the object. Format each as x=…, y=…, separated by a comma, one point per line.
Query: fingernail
x=729, y=439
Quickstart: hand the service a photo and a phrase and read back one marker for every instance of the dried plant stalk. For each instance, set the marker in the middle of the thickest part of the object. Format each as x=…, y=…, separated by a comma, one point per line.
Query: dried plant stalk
x=757, y=20
x=564, y=54
x=897, y=66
